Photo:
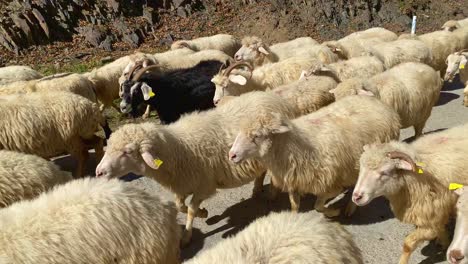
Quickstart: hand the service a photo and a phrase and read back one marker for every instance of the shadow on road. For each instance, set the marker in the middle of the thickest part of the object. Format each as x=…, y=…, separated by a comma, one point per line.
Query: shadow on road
x=445, y=98
x=67, y=163
x=454, y=85
x=411, y=139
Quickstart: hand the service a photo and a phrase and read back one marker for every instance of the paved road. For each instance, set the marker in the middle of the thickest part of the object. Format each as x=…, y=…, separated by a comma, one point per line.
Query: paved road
x=378, y=234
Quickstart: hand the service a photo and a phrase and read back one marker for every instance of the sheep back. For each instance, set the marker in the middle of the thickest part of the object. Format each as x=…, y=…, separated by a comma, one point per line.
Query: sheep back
x=91, y=221
x=402, y=50
x=17, y=73
x=46, y=124
x=284, y=237
x=24, y=176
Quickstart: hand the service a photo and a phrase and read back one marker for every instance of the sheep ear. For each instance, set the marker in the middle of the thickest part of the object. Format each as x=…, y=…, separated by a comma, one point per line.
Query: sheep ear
x=239, y=79
x=147, y=91
x=403, y=165
x=150, y=160
x=263, y=50
x=283, y=128
x=365, y=92
x=303, y=74
x=459, y=191
x=332, y=91
x=463, y=62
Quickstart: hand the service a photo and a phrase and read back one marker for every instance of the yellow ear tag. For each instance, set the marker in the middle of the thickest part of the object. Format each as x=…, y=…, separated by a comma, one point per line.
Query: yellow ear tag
x=158, y=162
x=151, y=94
x=462, y=66
x=420, y=165
x=455, y=186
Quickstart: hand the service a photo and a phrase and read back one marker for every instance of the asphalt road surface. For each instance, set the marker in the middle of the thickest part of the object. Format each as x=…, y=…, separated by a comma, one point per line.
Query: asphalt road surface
x=378, y=234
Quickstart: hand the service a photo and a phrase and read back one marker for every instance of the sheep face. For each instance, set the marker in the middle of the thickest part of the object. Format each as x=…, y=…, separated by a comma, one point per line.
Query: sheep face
x=458, y=249
x=455, y=62
x=227, y=85
x=379, y=175
x=133, y=95
x=129, y=150
x=255, y=137
x=253, y=53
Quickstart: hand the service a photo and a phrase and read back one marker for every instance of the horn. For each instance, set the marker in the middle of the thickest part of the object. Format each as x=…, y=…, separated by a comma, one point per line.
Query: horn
x=138, y=64
x=140, y=73
x=461, y=51
x=402, y=156
x=183, y=44
x=237, y=64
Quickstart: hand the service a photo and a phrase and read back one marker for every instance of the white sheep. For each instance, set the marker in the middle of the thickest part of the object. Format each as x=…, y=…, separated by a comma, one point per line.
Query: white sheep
x=402, y=50
x=375, y=32
x=233, y=81
x=49, y=124
x=316, y=153
x=352, y=47
x=64, y=82
x=24, y=176
x=106, y=81
x=193, y=151
x=258, y=53
x=441, y=44
x=458, y=62
x=451, y=25
x=17, y=73
x=223, y=42
x=91, y=221
x=458, y=250
x=410, y=88
x=415, y=179
x=307, y=95
x=357, y=67
x=462, y=35
x=282, y=238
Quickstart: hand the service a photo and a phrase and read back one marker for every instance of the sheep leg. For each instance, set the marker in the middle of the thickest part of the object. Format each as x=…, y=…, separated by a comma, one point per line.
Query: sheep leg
x=322, y=200
x=180, y=203
x=147, y=112
x=258, y=185
x=274, y=189
x=98, y=144
x=295, y=200
x=414, y=239
x=418, y=129
x=350, y=208
x=79, y=151
x=443, y=238
x=192, y=211
x=101, y=108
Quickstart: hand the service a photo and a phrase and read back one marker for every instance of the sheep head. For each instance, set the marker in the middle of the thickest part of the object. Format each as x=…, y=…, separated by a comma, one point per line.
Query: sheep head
x=134, y=90
x=181, y=44
x=458, y=249
x=450, y=25
x=381, y=166
x=253, y=50
x=455, y=62
x=130, y=150
x=255, y=137
x=228, y=81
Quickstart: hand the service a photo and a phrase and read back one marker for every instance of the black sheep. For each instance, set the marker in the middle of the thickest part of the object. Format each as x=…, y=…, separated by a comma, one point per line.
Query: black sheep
x=173, y=93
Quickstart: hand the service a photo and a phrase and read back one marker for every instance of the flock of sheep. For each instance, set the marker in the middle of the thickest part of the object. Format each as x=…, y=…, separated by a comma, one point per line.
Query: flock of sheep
x=317, y=118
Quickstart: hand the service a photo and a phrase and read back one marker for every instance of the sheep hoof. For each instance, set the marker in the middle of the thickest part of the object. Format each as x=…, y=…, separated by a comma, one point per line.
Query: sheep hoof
x=183, y=209
x=186, y=237
x=331, y=212
x=202, y=213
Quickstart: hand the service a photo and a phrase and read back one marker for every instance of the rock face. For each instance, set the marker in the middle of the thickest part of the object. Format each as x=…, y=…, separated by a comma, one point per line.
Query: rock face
x=34, y=22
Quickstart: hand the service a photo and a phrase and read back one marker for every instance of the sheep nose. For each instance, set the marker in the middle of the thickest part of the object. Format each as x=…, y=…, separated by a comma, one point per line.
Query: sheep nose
x=99, y=172
x=237, y=57
x=232, y=155
x=215, y=101
x=455, y=256
x=357, y=196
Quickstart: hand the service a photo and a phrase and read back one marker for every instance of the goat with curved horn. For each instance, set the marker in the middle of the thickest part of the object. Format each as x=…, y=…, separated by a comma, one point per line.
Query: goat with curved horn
x=142, y=71
x=236, y=65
